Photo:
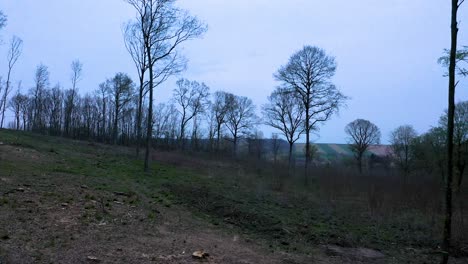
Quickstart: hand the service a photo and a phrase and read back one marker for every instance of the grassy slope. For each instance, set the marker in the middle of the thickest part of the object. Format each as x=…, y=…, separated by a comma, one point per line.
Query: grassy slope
x=229, y=197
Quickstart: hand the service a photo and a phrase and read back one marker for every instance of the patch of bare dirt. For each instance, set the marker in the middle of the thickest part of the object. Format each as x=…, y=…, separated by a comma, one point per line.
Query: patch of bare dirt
x=54, y=220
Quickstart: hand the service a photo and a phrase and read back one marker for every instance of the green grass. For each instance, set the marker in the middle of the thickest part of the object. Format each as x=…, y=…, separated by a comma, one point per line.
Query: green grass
x=291, y=221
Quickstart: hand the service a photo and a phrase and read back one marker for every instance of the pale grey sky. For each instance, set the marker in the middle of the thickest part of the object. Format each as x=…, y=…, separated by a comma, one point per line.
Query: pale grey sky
x=386, y=50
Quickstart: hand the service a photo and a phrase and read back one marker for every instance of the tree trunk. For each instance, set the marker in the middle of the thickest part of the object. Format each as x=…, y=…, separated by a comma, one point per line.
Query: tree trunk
x=359, y=160
x=218, y=136
x=450, y=127
x=307, y=154
x=140, y=109
x=149, y=129
x=5, y=95
x=290, y=154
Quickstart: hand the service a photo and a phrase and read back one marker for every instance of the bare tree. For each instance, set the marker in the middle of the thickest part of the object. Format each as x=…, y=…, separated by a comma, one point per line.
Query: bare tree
x=275, y=146
x=285, y=112
x=136, y=47
x=16, y=104
x=55, y=125
x=308, y=73
x=401, y=140
x=3, y=20
x=450, y=130
x=163, y=28
x=219, y=109
x=240, y=118
x=362, y=134
x=76, y=75
x=192, y=98
x=121, y=90
x=41, y=79
x=102, y=92
x=14, y=52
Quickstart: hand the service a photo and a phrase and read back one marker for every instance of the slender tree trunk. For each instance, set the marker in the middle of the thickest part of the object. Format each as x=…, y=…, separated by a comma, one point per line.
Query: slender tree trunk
x=450, y=127
x=290, y=154
x=359, y=160
x=139, y=113
x=149, y=129
x=17, y=121
x=235, y=145
x=5, y=95
x=307, y=154
x=218, y=136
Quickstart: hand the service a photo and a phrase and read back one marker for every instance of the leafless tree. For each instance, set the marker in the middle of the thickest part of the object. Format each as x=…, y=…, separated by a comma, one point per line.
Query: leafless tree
x=76, y=75
x=285, y=112
x=450, y=129
x=16, y=104
x=121, y=91
x=256, y=144
x=308, y=73
x=55, y=125
x=41, y=79
x=240, y=118
x=362, y=134
x=136, y=47
x=401, y=140
x=192, y=98
x=219, y=108
x=102, y=94
x=275, y=146
x=3, y=20
x=14, y=52
x=163, y=28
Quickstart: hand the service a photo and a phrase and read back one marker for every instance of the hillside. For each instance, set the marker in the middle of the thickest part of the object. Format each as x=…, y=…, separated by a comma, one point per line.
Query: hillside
x=65, y=201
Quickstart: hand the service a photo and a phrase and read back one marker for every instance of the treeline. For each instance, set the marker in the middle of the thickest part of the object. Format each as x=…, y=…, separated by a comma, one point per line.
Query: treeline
x=109, y=113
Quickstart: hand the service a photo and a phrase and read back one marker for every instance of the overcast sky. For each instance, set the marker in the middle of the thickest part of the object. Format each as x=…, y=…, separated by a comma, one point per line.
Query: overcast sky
x=386, y=50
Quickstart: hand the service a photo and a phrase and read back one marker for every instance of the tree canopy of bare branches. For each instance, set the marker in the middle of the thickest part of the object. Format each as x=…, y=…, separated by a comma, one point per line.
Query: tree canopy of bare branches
x=163, y=27
x=362, y=134
x=240, y=118
x=285, y=112
x=308, y=73
x=401, y=140
x=14, y=52
x=192, y=99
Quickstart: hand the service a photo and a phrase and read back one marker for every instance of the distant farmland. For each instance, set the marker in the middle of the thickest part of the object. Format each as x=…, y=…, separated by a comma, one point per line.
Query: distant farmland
x=333, y=152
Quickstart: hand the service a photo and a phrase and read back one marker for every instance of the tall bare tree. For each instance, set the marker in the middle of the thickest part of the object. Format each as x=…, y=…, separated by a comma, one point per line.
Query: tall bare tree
x=76, y=75
x=219, y=109
x=102, y=93
x=41, y=79
x=163, y=28
x=136, y=47
x=16, y=104
x=362, y=134
x=121, y=90
x=401, y=140
x=285, y=112
x=55, y=125
x=450, y=129
x=14, y=52
x=308, y=73
x=192, y=98
x=240, y=118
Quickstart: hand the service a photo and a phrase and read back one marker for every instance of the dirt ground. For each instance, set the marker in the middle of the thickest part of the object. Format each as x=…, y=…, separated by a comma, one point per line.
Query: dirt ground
x=59, y=218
